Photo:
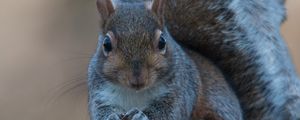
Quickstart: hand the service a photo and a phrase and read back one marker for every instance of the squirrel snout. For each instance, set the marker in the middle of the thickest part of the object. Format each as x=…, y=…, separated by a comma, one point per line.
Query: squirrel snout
x=137, y=83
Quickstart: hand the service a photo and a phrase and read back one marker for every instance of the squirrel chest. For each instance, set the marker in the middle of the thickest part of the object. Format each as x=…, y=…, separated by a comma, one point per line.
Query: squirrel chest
x=127, y=98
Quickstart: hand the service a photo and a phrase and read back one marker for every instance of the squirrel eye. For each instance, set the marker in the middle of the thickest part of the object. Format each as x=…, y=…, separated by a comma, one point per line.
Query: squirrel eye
x=161, y=43
x=107, y=47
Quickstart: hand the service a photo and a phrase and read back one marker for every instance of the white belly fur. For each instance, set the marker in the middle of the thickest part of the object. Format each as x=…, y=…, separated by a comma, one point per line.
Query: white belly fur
x=128, y=98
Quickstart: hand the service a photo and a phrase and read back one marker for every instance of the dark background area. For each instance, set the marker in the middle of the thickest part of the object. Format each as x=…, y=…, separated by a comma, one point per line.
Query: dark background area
x=45, y=46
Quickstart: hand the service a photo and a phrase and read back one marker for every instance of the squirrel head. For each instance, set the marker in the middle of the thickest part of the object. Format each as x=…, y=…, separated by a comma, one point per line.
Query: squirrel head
x=134, y=49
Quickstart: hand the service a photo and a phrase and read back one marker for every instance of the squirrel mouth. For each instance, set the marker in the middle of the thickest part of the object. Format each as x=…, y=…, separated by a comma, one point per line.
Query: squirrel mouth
x=137, y=84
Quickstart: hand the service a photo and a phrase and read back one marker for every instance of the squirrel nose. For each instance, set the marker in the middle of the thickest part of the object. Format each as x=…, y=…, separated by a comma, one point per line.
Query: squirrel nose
x=137, y=83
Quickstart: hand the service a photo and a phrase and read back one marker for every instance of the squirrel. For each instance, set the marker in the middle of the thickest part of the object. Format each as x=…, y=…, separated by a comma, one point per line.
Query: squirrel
x=242, y=37
x=139, y=72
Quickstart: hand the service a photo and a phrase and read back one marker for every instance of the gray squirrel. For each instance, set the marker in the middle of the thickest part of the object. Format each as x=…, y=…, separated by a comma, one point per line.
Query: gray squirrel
x=139, y=72
x=243, y=39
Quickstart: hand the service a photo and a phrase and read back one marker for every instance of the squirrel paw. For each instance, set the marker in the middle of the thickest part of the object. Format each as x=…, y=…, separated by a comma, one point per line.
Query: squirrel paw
x=135, y=114
x=113, y=116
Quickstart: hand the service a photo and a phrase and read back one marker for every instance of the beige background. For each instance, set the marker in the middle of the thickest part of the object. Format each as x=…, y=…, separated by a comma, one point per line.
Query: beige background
x=45, y=46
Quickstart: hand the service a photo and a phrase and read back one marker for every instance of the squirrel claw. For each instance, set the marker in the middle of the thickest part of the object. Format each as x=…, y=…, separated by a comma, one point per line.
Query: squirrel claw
x=113, y=116
x=135, y=114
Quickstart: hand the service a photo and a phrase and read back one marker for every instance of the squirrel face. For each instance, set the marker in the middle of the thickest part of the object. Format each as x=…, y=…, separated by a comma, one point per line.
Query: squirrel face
x=134, y=53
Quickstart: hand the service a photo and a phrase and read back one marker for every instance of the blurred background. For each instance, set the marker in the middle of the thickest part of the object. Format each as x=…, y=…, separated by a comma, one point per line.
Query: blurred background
x=45, y=46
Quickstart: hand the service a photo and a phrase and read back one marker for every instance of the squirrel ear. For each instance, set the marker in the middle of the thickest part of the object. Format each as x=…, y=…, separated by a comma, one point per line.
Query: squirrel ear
x=157, y=7
x=105, y=8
